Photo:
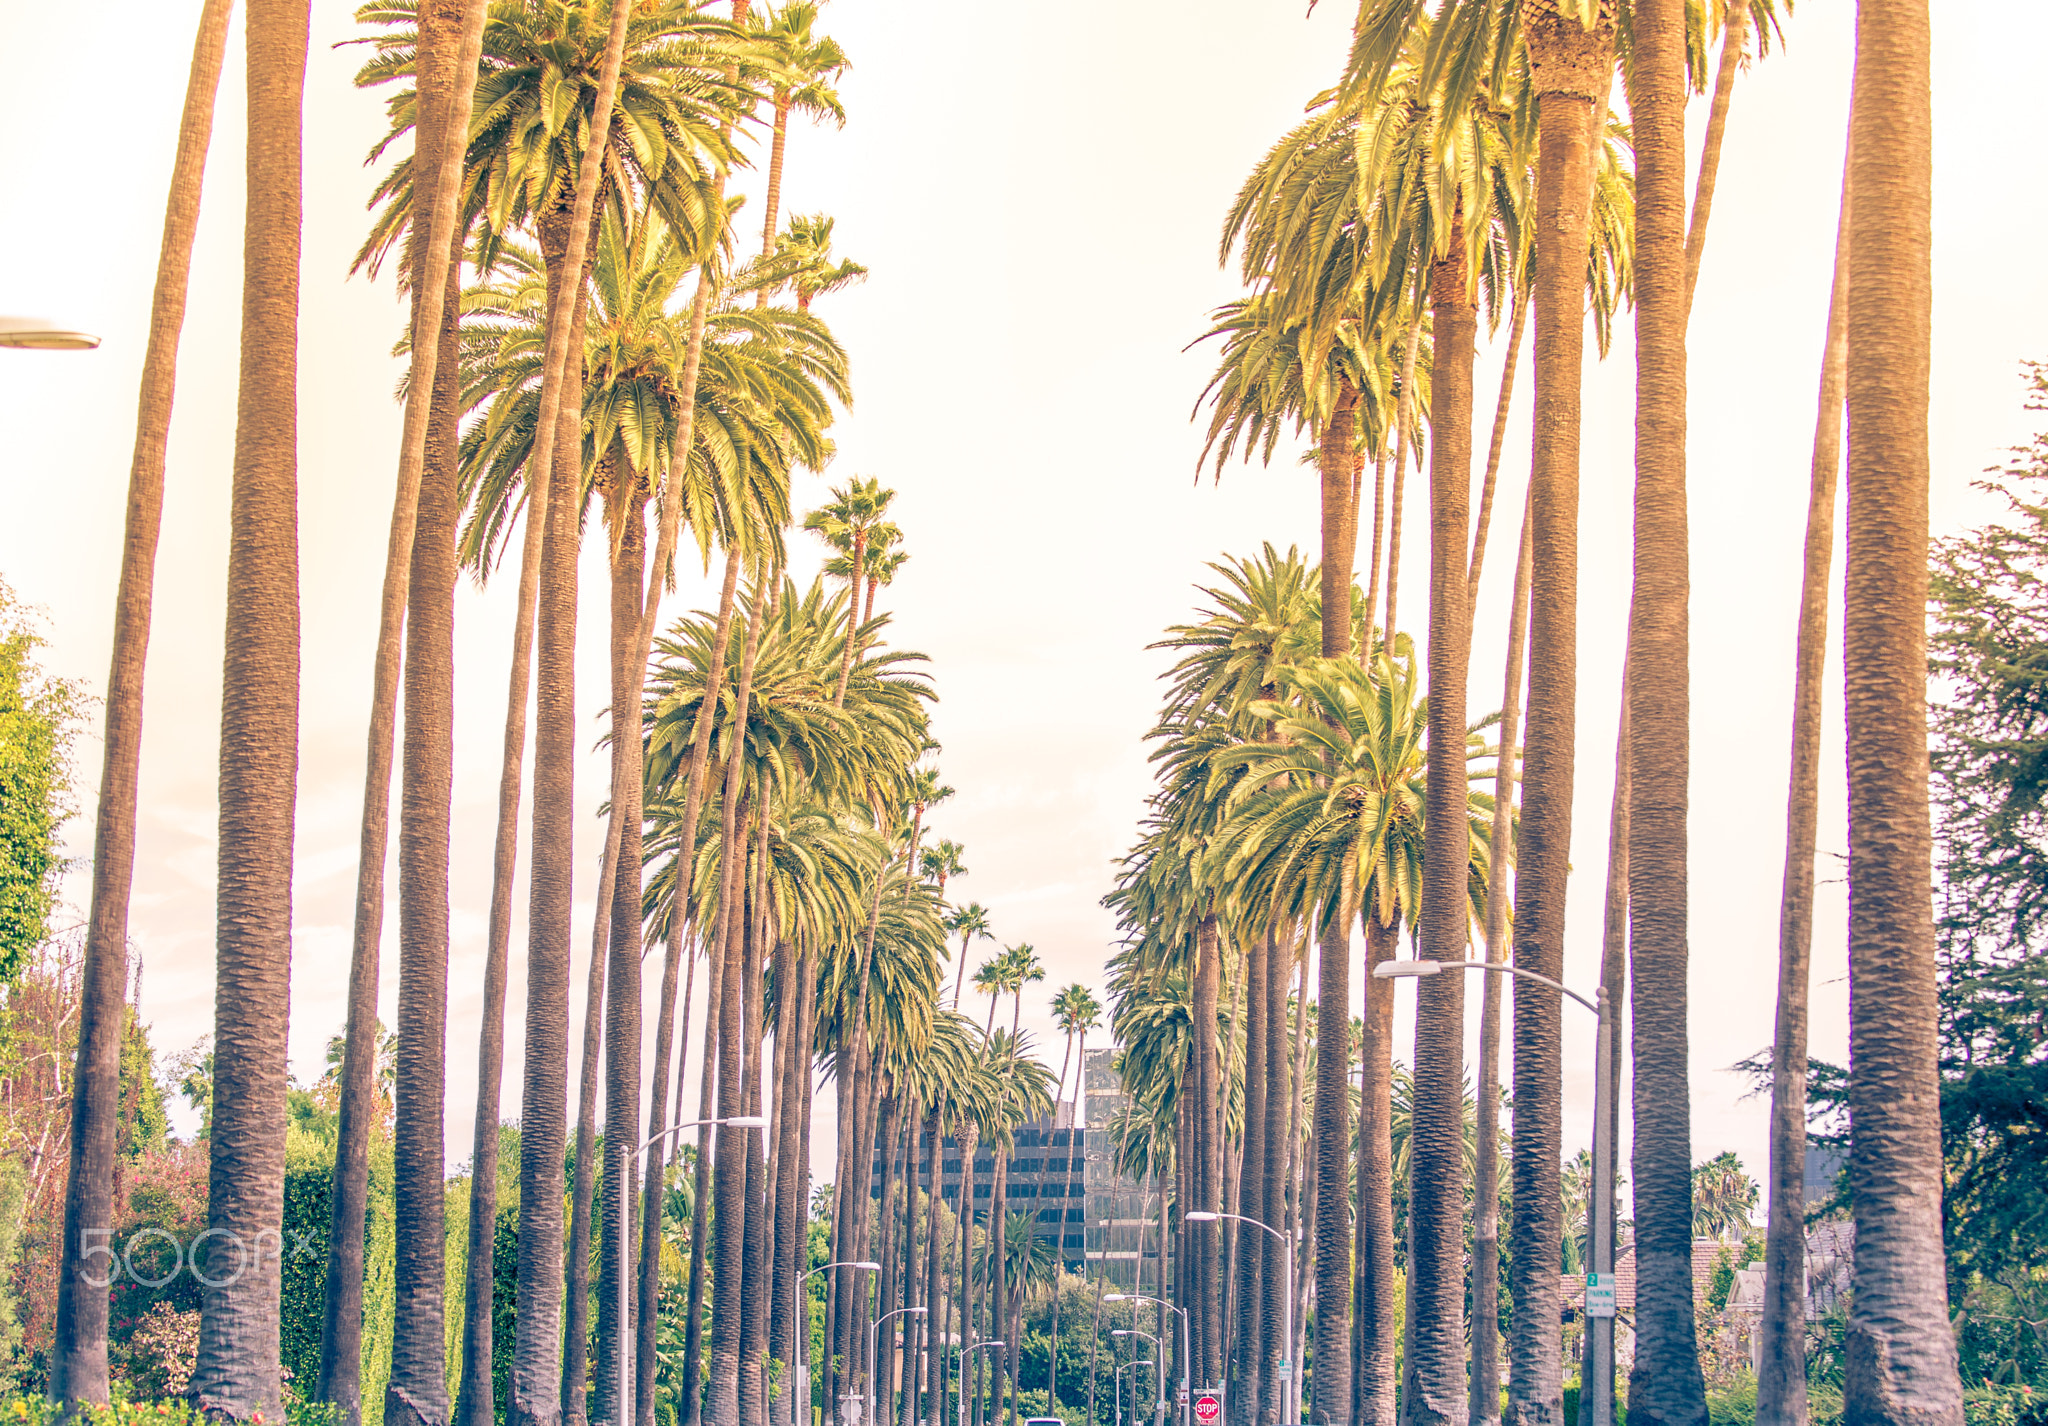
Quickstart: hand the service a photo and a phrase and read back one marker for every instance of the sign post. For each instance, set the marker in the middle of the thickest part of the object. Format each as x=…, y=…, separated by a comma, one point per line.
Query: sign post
x=1209, y=1406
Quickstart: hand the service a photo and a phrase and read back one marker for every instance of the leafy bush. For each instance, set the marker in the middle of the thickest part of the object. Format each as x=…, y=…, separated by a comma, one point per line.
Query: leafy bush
x=161, y=1353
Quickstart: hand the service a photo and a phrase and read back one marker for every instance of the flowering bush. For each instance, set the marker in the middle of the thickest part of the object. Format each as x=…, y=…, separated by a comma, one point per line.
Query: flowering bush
x=162, y=1351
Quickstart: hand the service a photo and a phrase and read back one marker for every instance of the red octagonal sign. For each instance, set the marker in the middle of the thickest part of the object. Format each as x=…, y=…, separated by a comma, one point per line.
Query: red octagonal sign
x=1208, y=1407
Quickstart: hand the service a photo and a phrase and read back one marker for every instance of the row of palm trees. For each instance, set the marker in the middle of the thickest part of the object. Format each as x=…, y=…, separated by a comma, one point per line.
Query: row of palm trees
x=769, y=779
x=1468, y=158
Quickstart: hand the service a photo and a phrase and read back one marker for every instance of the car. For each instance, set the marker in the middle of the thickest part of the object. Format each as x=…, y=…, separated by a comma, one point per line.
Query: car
x=1043, y=1421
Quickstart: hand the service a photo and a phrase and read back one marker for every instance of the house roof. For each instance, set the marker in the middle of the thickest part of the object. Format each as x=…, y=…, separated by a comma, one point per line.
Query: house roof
x=1572, y=1286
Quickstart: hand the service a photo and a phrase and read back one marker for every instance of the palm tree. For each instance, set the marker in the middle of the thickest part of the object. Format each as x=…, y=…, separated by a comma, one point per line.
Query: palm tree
x=237, y=1372
x=515, y=171
x=942, y=862
x=1665, y=1380
x=925, y=791
x=1025, y=968
x=803, y=260
x=446, y=59
x=430, y=476
x=811, y=62
x=1906, y=1360
x=969, y=923
x=1569, y=54
x=1361, y=843
x=993, y=980
x=1781, y=1371
x=855, y=510
x=1486, y=1164
x=1077, y=1011
x=78, y=1354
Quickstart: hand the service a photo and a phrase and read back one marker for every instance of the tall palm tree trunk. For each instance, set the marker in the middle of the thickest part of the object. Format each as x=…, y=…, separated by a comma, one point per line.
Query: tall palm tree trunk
x=417, y=1393
x=693, y=811
x=1734, y=38
x=1339, y=522
x=622, y=997
x=722, y=1401
x=729, y=1175
x=754, y=1282
x=700, y=1212
x=1296, y=1197
x=965, y=1285
x=583, y=1187
x=1437, y=1198
x=1404, y=437
x=1901, y=1354
x=1613, y=981
x=450, y=40
x=536, y=1378
x=1665, y=1385
x=1333, y=974
x=1572, y=67
x=1248, y=1362
x=237, y=1372
x=1379, y=517
x=1486, y=1161
x=1270, y=1177
x=1781, y=1371
x=785, y=1116
x=771, y=203
x=78, y=1353
x=1206, y=1259
x=1518, y=324
x=1375, y=1268
x=934, y=1283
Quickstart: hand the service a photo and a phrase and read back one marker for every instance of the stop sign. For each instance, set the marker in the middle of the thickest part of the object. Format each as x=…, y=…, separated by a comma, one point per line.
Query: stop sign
x=1208, y=1407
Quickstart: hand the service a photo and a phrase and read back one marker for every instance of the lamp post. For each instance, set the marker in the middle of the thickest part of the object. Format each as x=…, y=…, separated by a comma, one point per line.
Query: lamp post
x=960, y=1369
x=803, y=1381
x=1601, y=1327
x=1159, y=1363
x=1186, y=1396
x=1287, y=1281
x=42, y=334
x=874, y=1336
x=624, y=1353
x=1119, y=1375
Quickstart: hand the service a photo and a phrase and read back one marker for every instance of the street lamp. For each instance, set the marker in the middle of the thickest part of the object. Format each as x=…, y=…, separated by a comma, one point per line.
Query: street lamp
x=1287, y=1281
x=1119, y=1375
x=874, y=1335
x=1185, y=1357
x=42, y=334
x=803, y=1381
x=624, y=1350
x=960, y=1369
x=1602, y=1327
x=1158, y=1377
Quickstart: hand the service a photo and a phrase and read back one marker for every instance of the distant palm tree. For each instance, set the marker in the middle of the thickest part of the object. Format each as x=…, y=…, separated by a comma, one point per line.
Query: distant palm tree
x=942, y=862
x=969, y=923
x=993, y=980
x=925, y=791
x=1024, y=969
x=1076, y=1011
x=804, y=261
x=856, y=508
x=1723, y=1197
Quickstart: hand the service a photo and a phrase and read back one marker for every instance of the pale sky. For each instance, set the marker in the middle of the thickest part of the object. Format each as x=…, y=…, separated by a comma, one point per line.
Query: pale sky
x=1038, y=194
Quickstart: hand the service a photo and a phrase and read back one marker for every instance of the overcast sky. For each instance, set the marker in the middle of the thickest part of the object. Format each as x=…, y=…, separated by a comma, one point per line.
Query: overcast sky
x=1038, y=194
